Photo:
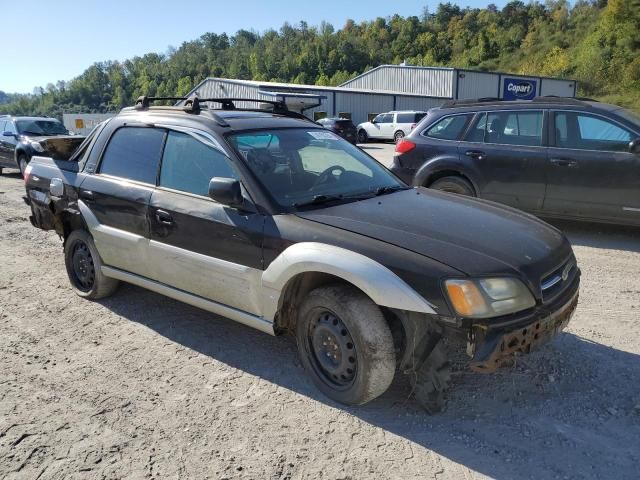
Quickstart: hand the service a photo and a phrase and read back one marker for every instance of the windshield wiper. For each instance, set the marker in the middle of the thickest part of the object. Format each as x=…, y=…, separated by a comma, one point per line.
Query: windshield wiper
x=384, y=190
x=28, y=132
x=319, y=200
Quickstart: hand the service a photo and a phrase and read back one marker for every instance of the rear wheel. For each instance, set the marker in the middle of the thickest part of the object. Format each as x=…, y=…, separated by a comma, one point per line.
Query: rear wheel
x=398, y=136
x=454, y=185
x=84, y=267
x=22, y=163
x=363, y=137
x=345, y=344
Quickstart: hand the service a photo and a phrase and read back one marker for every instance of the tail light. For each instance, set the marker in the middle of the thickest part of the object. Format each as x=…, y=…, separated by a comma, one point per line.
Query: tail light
x=405, y=146
x=27, y=174
x=413, y=125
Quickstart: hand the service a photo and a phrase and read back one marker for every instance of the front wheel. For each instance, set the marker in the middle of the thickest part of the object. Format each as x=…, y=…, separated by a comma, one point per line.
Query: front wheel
x=22, y=164
x=84, y=267
x=398, y=136
x=363, y=137
x=345, y=344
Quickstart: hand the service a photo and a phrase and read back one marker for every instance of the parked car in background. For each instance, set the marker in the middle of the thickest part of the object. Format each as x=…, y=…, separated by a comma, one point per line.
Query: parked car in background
x=340, y=126
x=389, y=126
x=312, y=236
x=554, y=157
x=23, y=137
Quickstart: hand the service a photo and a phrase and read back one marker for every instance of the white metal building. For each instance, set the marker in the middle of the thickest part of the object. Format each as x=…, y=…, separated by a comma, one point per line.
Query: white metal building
x=390, y=87
x=454, y=83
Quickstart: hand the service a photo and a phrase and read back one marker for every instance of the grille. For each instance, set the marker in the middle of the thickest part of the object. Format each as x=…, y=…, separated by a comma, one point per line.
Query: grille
x=553, y=284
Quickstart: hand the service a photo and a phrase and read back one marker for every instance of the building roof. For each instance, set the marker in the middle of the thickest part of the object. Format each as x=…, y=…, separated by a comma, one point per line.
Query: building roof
x=269, y=87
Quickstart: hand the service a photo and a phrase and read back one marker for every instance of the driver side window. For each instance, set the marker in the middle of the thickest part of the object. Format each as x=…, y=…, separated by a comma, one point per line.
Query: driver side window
x=188, y=164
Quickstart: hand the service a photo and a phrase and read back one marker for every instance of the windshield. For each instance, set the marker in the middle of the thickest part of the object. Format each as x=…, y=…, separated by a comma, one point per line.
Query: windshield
x=41, y=127
x=305, y=166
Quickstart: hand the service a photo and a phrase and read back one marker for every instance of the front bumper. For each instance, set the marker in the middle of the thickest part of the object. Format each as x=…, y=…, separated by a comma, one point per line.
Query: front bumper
x=492, y=348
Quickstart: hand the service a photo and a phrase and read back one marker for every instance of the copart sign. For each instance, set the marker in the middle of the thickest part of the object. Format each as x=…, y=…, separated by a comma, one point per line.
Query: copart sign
x=519, y=89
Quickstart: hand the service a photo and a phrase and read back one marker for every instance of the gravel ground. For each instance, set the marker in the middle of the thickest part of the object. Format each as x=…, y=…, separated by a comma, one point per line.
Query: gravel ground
x=141, y=386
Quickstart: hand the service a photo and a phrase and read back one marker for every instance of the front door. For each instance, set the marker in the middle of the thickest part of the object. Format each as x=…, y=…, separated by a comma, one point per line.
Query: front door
x=114, y=202
x=382, y=126
x=507, y=149
x=590, y=171
x=8, y=144
x=198, y=245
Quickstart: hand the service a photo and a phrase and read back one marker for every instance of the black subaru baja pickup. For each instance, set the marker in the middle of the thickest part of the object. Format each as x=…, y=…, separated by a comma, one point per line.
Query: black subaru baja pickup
x=267, y=218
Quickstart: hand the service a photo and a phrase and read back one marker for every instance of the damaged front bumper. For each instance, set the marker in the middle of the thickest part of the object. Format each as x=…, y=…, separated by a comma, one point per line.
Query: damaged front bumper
x=494, y=347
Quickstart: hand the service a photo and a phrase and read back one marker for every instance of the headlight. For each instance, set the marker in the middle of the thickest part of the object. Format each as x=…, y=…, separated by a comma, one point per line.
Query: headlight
x=36, y=146
x=488, y=297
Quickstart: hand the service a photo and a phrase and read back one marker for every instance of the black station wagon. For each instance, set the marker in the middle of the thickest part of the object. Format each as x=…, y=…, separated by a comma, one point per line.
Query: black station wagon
x=266, y=218
x=554, y=157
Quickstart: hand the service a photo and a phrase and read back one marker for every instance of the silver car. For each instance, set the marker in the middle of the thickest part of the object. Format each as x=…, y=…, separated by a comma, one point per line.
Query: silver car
x=390, y=126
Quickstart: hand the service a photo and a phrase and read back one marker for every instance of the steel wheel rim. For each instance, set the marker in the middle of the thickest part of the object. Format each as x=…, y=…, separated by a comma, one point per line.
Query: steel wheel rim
x=83, y=269
x=332, y=350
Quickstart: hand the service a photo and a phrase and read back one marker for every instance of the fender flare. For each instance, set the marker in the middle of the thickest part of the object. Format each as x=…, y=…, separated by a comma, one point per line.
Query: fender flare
x=383, y=286
x=439, y=164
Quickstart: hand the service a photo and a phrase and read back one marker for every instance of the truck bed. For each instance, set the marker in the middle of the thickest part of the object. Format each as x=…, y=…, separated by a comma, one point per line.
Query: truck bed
x=44, y=207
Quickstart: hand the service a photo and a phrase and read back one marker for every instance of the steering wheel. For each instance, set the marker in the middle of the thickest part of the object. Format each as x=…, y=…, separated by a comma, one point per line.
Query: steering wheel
x=328, y=174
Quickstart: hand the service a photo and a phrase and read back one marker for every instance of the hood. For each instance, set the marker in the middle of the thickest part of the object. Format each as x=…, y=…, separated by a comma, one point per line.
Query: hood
x=473, y=236
x=59, y=146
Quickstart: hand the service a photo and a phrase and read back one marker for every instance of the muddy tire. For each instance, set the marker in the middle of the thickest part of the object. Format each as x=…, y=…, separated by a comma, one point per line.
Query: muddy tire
x=84, y=267
x=345, y=344
x=454, y=185
x=431, y=381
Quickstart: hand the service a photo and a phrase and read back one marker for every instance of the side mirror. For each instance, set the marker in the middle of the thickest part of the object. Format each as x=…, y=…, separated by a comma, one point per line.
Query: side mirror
x=374, y=121
x=226, y=191
x=8, y=134
x=634, y=146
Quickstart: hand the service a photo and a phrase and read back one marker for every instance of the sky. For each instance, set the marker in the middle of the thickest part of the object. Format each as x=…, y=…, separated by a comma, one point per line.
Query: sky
x=49, y=40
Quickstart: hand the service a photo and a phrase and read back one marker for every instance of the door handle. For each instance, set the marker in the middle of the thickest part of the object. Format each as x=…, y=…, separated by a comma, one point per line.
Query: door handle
x=564, y=162
x=474, y=154
x=164, y=218
x=87, y=195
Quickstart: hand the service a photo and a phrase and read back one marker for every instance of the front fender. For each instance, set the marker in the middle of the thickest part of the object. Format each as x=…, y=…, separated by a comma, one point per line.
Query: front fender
x=383, y=286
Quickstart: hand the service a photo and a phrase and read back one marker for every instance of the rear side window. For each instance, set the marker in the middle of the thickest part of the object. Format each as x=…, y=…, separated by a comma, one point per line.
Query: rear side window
x=587, y=132
x=406, y=118
x=188, y=164
x=449, y=128
x=514, y=128
x=133, y=153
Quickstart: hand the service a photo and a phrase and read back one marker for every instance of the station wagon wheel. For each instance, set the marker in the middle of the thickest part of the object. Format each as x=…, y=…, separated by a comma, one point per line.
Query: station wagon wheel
x=345, y=344
x=454, y=184
x=399, y=135
x=84, y=267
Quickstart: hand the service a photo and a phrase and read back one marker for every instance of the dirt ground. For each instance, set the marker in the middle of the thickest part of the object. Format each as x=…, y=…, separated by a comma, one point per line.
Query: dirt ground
x=141, y=386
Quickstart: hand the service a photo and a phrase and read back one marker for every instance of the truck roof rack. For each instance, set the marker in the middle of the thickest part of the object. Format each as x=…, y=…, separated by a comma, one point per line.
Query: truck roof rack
x=193, y=104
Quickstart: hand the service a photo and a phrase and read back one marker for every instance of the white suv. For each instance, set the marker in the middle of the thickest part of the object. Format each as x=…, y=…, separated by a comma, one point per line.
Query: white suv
x=389, y=126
